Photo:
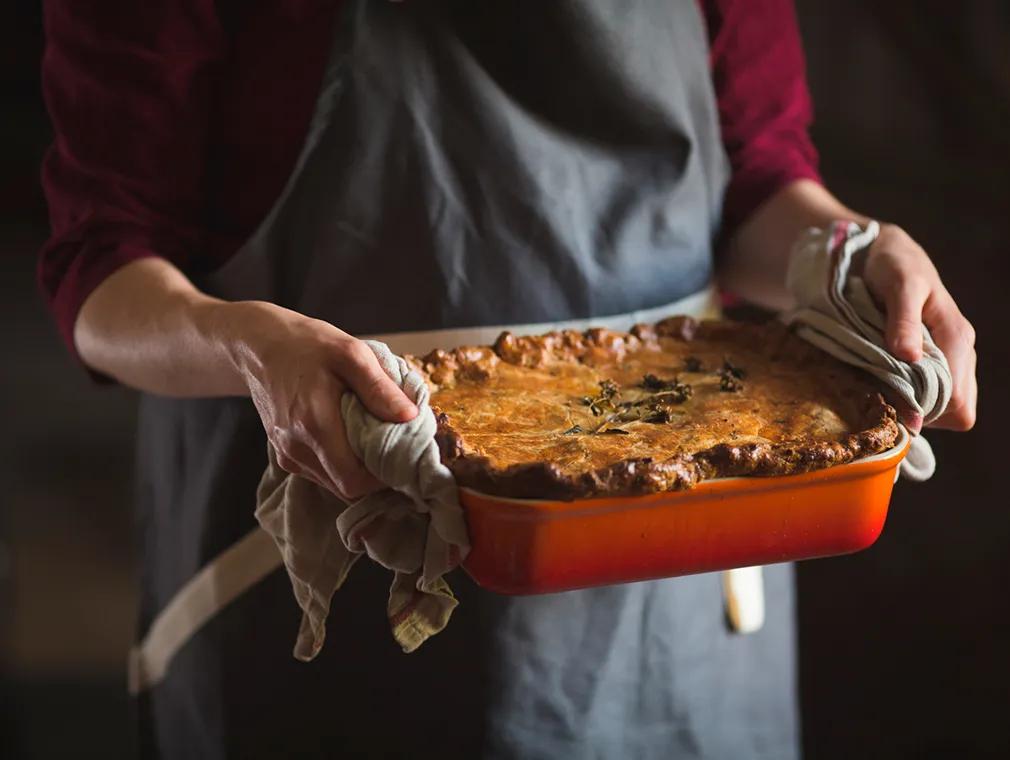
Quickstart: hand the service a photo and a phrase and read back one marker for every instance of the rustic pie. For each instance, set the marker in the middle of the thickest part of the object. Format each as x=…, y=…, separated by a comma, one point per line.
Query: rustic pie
x=569, y=414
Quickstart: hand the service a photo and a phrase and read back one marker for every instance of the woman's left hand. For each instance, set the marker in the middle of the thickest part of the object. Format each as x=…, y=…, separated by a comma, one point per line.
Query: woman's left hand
x=899, y=273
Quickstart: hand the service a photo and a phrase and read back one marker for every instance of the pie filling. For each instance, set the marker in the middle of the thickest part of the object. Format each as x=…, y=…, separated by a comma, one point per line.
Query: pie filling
x=569, y=414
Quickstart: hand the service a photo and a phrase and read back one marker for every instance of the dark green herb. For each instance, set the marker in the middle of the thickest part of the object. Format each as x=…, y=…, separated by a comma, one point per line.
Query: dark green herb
x=658, y=416
x=652, y=383
x=730, y=377
x=654, y=409
x=660, y=408
x=606, y=401
x=729, y=383
x=678, y=394
x=609, y=389
x=628, y=413
x=670, y=391
x=729, y=369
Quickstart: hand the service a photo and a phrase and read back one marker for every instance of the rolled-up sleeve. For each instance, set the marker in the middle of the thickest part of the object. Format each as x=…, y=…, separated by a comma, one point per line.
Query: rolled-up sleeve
x=765, y=112
x=128, y=86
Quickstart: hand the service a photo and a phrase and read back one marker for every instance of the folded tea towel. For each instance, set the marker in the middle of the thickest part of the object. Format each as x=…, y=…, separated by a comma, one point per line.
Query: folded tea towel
x=836, y=313
x=414, y=527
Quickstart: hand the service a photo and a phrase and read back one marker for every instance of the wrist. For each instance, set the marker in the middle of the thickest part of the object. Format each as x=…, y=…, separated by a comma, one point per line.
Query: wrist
x=252, y=336
x=239, y=332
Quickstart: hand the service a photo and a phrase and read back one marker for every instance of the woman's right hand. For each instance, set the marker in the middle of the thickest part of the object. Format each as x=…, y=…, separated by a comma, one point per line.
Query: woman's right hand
x=297, y=369
x=148, y=327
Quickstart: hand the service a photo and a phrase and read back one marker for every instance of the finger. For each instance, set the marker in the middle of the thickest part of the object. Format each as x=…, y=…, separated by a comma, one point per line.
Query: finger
x=381, y=396
x=288, y=464
x=903, y=332
x=323, y=482
x=974, y=382
x=299, y=459
x=350, y=478
x=955, y=337
x=327, y=438
x=959, y=417
x=961, y=412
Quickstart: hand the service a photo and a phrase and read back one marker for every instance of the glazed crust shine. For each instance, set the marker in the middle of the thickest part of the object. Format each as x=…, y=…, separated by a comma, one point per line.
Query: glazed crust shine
x=535, y=417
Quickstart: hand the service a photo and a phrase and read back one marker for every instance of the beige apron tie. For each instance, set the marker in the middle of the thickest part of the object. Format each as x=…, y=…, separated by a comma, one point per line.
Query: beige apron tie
x=225, y=578
x=253, y=557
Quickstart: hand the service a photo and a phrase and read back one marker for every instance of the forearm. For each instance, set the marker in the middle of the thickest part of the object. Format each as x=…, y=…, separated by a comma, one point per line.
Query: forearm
x=755, y=260
x=149, y=327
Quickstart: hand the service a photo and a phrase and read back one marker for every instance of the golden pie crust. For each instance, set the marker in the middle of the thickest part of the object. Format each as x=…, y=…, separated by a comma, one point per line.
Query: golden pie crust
x=571, y=414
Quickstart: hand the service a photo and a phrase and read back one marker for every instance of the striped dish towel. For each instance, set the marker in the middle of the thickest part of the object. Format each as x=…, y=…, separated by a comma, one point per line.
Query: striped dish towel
x=414, y=527
x=836, y=313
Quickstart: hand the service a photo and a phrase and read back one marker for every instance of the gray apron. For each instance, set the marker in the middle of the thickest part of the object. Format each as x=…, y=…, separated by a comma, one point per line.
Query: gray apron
x=468, y=164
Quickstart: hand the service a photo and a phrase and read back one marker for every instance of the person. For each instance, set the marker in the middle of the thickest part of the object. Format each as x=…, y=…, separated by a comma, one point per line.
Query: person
x=239, y=192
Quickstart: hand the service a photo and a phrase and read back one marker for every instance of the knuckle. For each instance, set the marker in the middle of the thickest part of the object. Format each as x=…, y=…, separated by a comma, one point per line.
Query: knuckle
x=962, y=413
x=966, y=420
x=915, y=285
x=357, y=353
x=967, y=331
x=309, y=418
x=355, y=484
x=309, y=428
x=350, y=493
x=904, y=256
x=342, y=351
x=287, y=464
x=374, y=384
x=280, y=439
x=892, y=234
x=904, y=290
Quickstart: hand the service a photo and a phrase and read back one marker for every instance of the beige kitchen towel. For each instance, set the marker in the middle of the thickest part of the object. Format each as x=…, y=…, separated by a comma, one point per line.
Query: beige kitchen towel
x=414, y=527
x=836, y=313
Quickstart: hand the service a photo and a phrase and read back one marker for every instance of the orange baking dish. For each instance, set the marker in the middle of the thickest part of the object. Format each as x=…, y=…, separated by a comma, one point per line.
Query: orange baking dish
x=527, y=546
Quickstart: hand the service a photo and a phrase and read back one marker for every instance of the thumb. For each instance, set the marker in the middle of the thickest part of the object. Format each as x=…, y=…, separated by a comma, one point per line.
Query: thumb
x=376, y=390
x=903, y=332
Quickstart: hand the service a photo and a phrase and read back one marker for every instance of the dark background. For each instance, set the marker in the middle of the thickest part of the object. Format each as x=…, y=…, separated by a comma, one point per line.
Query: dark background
x=905, y=648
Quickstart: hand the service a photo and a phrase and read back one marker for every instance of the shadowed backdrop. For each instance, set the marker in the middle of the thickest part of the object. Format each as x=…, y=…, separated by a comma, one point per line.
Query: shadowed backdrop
x=903, y=647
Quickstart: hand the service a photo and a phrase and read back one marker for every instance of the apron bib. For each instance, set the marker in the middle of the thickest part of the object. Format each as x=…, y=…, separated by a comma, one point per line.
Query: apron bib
x=468, y=166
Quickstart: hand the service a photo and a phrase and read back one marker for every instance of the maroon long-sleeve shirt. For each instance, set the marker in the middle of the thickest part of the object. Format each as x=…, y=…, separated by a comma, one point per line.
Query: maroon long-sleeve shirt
x=177, y=123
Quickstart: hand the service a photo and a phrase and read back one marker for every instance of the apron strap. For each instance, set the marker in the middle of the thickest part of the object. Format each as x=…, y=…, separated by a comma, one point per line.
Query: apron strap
x=253, y=557
x=744, y=599
x=234, y=571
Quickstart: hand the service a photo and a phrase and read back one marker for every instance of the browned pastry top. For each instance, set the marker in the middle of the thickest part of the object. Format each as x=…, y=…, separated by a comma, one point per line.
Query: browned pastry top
x=569, y=414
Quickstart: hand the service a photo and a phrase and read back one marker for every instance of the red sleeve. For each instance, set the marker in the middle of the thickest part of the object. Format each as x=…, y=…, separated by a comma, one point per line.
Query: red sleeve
x=764, y=105
x=128, y=87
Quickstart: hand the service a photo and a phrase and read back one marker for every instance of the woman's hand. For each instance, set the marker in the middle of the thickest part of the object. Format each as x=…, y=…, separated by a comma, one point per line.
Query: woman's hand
x=897, y=271
x=148, y=327
x=900, y=275
x=297, y=369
